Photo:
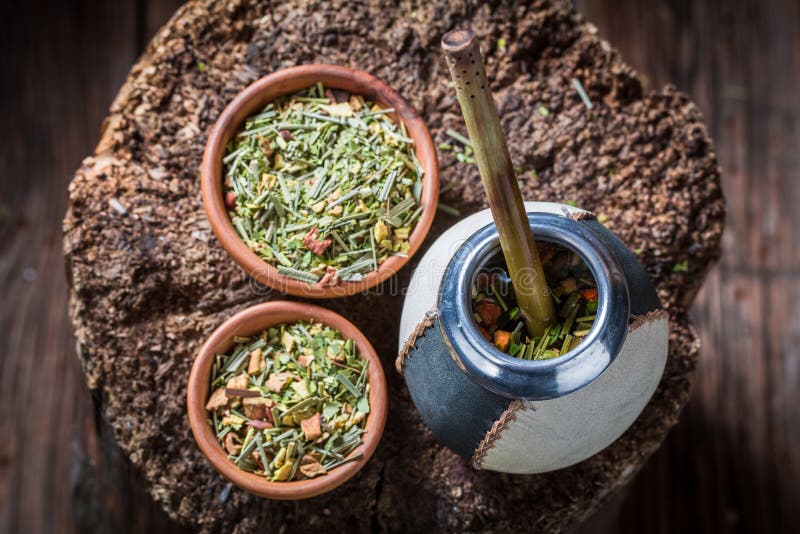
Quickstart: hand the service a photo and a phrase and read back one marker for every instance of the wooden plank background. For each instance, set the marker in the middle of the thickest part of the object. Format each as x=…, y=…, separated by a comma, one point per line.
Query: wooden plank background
x=731, y=465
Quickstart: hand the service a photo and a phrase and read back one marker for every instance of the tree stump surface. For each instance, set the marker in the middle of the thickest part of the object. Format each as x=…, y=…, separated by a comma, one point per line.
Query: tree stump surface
x=149, y=281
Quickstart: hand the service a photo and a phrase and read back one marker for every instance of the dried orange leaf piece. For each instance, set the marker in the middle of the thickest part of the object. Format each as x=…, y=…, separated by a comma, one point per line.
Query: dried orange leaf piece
x=590, y=294
x=218, y=400
x=489, y=311
x=315, y=245
x=312, y=427
x=257, y=362
x=502, y=340
x=230, y=444
x=238, y=382
x=310, y=467
x=330, y=277
x=256, y=408
x=278, y=381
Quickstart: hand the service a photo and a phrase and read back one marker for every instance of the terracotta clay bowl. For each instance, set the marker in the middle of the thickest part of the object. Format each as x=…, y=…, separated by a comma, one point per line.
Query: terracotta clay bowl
x=289, y=81
x=252, y=321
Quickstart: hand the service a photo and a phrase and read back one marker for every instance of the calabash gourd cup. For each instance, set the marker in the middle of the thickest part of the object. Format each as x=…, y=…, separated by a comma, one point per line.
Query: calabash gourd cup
x=252, y=321
x=289, y=81
x=519, y=416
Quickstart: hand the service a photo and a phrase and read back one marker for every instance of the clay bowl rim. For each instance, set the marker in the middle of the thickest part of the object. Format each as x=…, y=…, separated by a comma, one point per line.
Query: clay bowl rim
x=288, y=81
x=248, y=322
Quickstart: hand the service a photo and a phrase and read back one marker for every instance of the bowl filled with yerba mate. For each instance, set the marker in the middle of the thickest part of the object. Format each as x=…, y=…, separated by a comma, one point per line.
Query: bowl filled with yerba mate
x=320, y=181
x=287, y=400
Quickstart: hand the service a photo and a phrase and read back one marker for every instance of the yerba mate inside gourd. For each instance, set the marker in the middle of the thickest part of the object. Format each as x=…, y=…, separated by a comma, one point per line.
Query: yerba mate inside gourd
x=323, y=185
x=574, y=293
x=291, y=402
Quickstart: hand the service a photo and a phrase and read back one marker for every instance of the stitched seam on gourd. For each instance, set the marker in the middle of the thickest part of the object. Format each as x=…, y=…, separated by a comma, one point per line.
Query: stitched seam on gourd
x=494, y=433
x=453, y=353
x=580, y=215
x=647, y=318
x=411, y=342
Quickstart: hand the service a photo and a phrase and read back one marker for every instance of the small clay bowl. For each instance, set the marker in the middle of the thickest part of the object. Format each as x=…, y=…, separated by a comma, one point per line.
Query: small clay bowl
x=250, y=322
x=289, y=81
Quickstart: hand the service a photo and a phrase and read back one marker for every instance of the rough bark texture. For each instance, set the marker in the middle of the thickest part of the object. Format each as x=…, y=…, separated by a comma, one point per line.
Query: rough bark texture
x=149, y=281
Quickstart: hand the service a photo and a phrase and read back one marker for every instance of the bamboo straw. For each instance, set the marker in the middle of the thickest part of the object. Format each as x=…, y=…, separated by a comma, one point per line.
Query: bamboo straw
x=499, y=180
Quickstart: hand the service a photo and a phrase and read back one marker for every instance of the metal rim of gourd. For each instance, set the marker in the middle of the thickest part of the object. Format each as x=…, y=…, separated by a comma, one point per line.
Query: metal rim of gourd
x=534, y=379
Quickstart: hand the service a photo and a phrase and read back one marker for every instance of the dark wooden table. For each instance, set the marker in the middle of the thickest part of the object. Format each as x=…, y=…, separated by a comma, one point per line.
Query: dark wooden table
x=732, y=464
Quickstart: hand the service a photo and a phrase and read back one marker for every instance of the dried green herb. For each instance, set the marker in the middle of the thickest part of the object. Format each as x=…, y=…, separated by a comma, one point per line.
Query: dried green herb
x=573, y=289
x=290, y=403
x=323, y=190
x=450, y=210
x=681, y=267
x=462, y=148
x=578, y=86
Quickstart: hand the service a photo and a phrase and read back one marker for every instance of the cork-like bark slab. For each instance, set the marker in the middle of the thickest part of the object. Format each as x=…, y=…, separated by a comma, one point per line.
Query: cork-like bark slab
x=149, y=281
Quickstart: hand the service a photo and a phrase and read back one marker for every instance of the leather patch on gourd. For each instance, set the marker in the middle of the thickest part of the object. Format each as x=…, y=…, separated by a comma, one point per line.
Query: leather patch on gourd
x=496, y=432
